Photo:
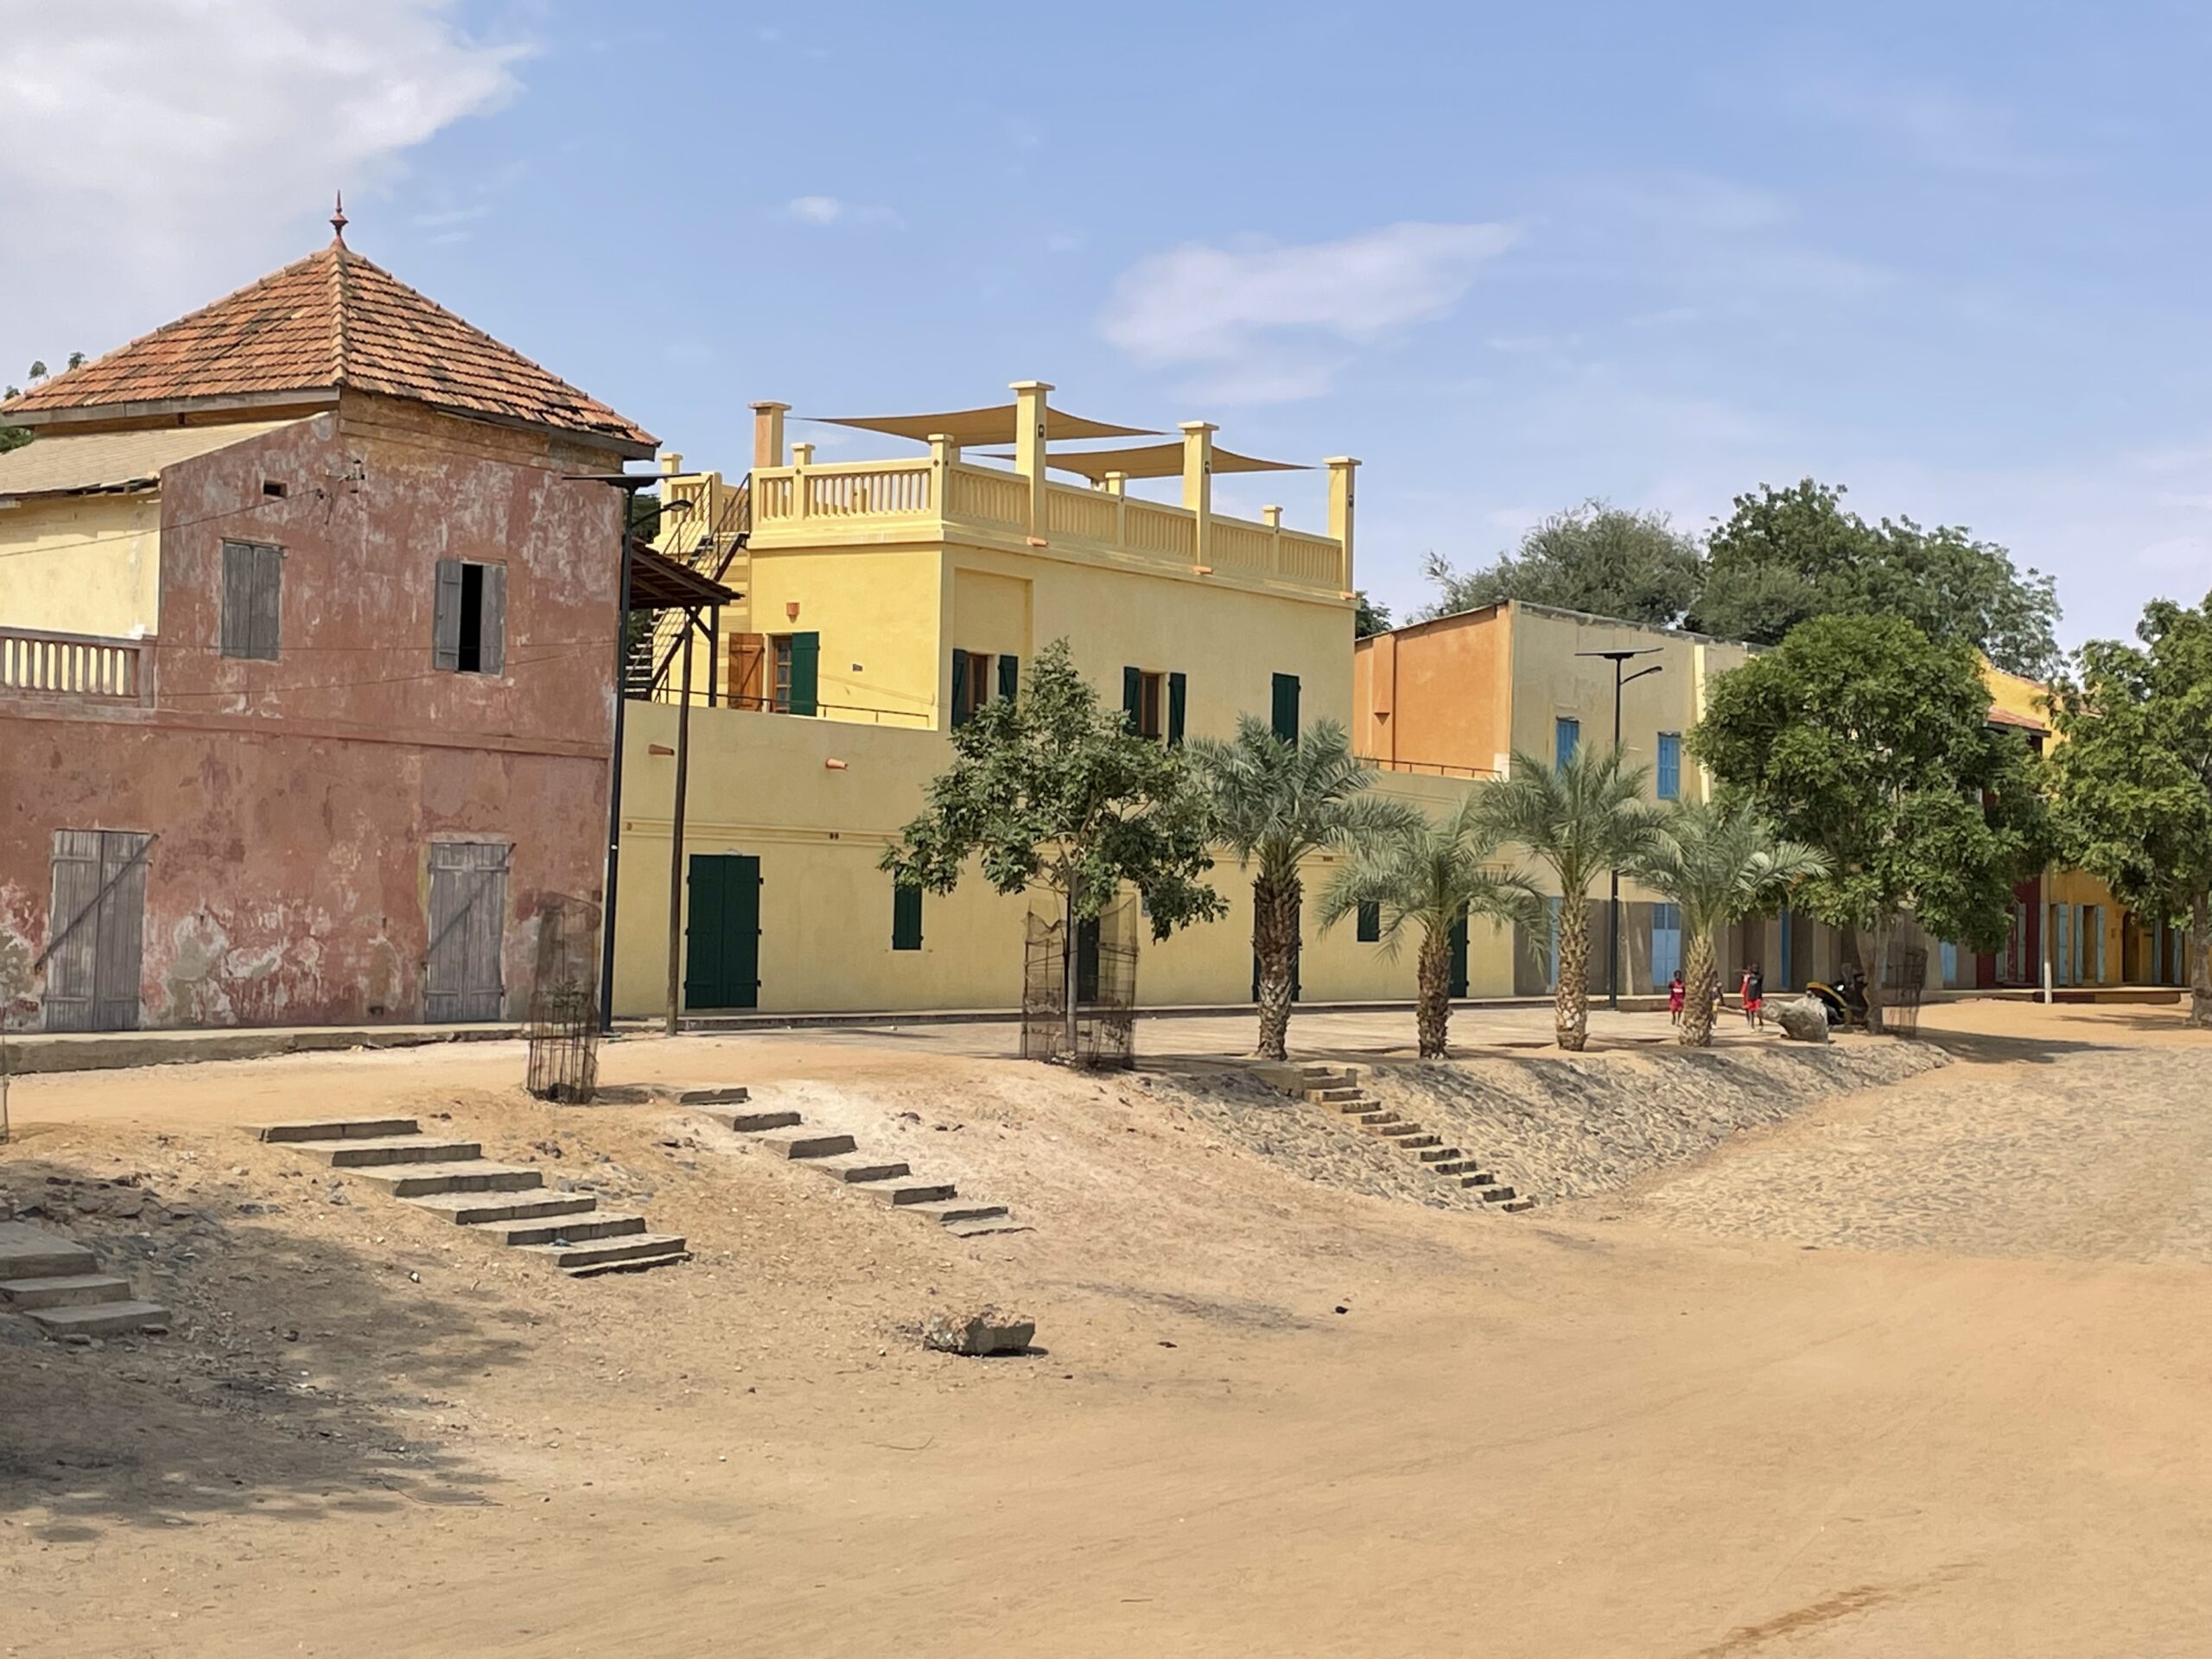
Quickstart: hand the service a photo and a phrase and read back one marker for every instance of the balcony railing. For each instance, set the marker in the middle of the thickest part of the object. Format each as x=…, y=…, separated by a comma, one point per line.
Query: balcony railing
x=789, y=502
x=81, y=665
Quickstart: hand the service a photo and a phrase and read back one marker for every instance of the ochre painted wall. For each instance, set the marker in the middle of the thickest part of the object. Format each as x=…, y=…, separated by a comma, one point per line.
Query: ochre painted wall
x=1436, y=694
x=760, y=785
x=82, y=564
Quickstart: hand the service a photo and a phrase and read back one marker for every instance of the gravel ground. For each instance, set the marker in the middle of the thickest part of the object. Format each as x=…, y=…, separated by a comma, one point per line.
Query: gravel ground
x=1555, y=1126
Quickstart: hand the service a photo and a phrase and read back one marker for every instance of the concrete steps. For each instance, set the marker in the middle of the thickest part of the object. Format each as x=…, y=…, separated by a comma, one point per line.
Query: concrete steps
x=55, y=1283
x=1337, y=1087
x=508, y=1203
x=889, y=1182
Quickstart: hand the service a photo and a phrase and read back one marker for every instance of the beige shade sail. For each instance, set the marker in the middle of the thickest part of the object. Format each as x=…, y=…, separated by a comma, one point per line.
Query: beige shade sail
x=992, y=425
x=1152, y=461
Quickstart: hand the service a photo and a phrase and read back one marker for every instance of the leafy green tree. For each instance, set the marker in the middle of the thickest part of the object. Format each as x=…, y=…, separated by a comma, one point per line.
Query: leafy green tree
x=1274, y=804
x=1051, y=790
x=1862, y=738
x=1578, y=821
x=1368, y=617
x=1428, y=876
x=2133, y=771
x=15, y=437
x=1784, y=556
x=1606, y=560
x=1719, y=865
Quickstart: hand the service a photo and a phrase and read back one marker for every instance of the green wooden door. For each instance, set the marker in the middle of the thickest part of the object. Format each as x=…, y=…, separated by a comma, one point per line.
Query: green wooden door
x=722, y=940
x=1460, y=956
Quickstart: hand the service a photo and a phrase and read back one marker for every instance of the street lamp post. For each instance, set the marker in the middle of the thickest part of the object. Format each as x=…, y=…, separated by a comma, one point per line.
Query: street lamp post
x=1613, y=905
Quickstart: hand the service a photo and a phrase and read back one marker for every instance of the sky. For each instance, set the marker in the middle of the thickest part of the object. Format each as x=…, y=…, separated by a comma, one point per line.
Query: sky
x=1950, y=255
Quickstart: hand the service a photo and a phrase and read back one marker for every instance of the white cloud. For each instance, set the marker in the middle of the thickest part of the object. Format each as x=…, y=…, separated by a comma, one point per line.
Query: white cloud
x=154, y=154
x=829, y=210
x=1268, y=324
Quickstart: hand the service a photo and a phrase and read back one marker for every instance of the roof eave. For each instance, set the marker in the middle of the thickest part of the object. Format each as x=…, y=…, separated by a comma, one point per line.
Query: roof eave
x=126, y=414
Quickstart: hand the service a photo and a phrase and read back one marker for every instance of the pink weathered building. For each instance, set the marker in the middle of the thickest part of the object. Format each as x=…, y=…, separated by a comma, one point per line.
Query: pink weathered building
x=306, y=665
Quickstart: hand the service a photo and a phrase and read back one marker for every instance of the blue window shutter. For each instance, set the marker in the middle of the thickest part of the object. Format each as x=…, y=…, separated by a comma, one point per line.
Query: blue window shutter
x=959, y=688
x=1178, y=701
x=806, y=672
x=1009, y=677
x=1670, y=765
x=1566, y=737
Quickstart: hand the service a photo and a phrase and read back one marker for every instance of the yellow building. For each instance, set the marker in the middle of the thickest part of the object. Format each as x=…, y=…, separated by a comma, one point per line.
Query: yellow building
x=883, y=601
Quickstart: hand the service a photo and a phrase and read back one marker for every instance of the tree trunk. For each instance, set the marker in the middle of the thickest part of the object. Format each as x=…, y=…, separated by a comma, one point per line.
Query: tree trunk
x=1571, y=1002
x=1847, y=949
x=1275, y=942
x=2200, y=961
x=1874, y=987
x=1700, y=980
x=1432, y=994
x=1069, y=960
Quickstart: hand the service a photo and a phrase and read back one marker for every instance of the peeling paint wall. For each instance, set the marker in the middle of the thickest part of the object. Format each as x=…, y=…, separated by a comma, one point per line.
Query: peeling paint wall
x=296, y=800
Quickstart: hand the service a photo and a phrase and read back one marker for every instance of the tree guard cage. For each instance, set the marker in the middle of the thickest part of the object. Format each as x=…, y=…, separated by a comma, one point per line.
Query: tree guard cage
x=563, y=1027
x=1904, y=981
x=1106, y=989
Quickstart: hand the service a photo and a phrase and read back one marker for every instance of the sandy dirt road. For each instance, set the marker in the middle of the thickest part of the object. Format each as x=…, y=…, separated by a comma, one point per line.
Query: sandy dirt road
x=1656, y=1423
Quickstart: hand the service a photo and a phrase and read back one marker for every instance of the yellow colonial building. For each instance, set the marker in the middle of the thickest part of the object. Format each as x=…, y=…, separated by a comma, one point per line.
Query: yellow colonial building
x=882, y=602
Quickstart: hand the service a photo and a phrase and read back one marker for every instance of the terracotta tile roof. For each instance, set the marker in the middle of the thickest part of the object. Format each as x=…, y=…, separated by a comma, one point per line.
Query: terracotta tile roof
x=2006, y=717
x=332, y=320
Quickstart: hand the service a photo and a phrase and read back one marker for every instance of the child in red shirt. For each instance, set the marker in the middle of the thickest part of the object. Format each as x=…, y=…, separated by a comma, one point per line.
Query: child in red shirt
x=1675, y=989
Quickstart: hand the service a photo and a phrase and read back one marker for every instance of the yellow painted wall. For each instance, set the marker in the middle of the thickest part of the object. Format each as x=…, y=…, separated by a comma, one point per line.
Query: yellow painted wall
x=877, y=610
x=82, y=564
x=761, y=785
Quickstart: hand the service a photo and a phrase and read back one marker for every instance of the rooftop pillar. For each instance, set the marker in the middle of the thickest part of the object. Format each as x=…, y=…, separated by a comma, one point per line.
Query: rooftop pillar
x=1341, y=467
x=1198, y=485
x=768, y=434
x=1029, y=445
x=802, y=458
x=943, y=452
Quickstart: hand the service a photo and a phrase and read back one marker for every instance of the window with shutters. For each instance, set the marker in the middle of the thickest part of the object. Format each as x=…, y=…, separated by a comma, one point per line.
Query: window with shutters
x=471, y=625
x=906, y=916
x=1370, y=923
x=972, y=680
x=1566, y=737
x=253, y=585
x=1152, y=704
x=779, y=679
x=1284, y=707
x=1669, y=779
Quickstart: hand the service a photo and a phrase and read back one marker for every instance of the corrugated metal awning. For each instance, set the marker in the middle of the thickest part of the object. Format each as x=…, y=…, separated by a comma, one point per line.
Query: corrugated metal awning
x=80, y=464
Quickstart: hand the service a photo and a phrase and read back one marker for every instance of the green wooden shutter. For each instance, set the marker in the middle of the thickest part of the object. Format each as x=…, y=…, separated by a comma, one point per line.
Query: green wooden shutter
x=1179, y=697
x=806, y=672
x=1285, y=707
x=1370, y=923
x=905, y=918
x=1009, y=677
x=1458, y=986
x=960, y=688
x=1133, y=698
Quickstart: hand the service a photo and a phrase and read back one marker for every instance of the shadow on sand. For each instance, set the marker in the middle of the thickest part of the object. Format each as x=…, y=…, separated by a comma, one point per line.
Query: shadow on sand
x=301, y=1376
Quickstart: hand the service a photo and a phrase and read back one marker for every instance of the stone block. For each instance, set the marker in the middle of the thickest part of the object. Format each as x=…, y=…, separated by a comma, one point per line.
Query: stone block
x=986, y=1331
x=1802, y=1018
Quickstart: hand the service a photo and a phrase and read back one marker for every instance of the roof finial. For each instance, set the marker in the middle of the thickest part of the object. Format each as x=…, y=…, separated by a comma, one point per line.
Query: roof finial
x=338, y=221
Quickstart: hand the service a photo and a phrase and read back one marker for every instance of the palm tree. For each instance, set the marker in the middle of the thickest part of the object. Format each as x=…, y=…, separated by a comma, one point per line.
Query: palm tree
x=1432, y=876
x=1720, y=865
x=1579, y=820
x=1274, y=804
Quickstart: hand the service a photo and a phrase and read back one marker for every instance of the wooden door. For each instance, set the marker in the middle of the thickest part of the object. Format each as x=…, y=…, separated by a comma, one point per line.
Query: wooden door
x=463, y=979
x=97, y=919
x=721, y=935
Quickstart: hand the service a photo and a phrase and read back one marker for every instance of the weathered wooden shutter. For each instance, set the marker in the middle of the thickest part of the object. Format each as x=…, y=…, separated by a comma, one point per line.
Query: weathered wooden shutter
x=268, y=603
x=121, y=930
x=806, y=673
x=462, y=975
x=1284, y=712
x=959, y=688
x=748, y=671
x=1009, y=677
x=1179, y=699
x=445, y=637
x=491, y=656
x=238, y=599
x=69, y=965
x=905, y=918
x=1133, y=698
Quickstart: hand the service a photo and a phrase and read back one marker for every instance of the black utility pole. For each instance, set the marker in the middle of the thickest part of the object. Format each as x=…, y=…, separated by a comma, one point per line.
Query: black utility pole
x=630, y=483
x=1613, y=911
